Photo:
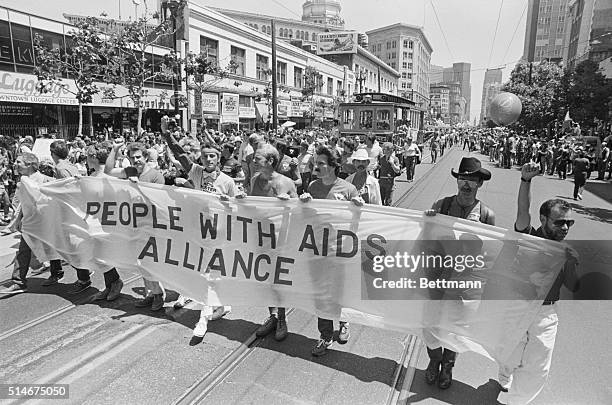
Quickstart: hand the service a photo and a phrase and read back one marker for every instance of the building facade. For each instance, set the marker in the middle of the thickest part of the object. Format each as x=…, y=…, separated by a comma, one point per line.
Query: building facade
x=545, y=36
x=241, y=99
x=440, y=102
x=26, y=111
x=589, y=30
x=491, y=87
x=405, y=48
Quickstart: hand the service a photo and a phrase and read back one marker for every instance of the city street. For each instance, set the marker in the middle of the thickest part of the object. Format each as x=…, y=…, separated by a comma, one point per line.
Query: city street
x=113, y=352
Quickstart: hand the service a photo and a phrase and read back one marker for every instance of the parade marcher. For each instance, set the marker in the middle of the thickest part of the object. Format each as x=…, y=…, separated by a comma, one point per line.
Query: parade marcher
x=27, y=166
x=411, y=153
x=329, y=186
x=96, y=159
x=389, y=169
x=581, y=166
x=138, y=171
x=433, y=147
x=304, y=166
x=367, y=186
x=64, y=169
x=470, y=177
x=602, y=163
x=206, y=177
x=267, y=182
x=524, y=374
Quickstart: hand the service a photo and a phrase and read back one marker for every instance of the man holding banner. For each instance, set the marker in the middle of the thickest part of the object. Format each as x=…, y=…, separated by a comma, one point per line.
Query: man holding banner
x=206, y=177
x=470, y=177
x=524, y=374
x=138, y=171
x=267, y=182
x=329, y=186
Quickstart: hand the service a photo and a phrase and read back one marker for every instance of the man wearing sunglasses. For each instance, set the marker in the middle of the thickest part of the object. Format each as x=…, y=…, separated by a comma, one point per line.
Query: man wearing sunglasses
x=470, y=177
x=524, y=374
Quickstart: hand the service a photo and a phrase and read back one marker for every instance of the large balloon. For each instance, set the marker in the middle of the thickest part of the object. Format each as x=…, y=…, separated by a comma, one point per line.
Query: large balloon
x=505, y=108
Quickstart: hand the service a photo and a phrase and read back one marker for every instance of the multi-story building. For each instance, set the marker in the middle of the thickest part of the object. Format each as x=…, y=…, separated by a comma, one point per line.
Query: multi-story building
x=405, y=48
x=458, y=73
x=436, y=74
x=223, y=39
x=545, y=37
x=318, y=16
x=491, y=87
x=440, y=102
x=26, y=111
x=589, y=30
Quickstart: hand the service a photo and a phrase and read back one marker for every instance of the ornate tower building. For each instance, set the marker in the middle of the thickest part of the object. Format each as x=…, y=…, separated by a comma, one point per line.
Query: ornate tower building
x=324, y=12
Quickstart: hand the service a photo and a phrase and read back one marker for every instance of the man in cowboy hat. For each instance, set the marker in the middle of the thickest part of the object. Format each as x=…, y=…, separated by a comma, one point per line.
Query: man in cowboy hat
x=366, y=184
x=470, y=177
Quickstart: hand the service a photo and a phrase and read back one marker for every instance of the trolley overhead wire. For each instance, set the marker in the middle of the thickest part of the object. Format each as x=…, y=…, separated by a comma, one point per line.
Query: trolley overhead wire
x=286, y=8
x=495, y=33
x=441, y=30
x=515, y=30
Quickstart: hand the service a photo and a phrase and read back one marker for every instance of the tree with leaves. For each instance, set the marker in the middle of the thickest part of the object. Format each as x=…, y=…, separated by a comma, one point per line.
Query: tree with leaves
x=80, y=61
x=313, y=82
x=588, y=94
x=130, y=45
x=538, y=86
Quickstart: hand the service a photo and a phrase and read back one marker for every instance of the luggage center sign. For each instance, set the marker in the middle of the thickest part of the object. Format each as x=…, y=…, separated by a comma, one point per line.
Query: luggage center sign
x=336, y=42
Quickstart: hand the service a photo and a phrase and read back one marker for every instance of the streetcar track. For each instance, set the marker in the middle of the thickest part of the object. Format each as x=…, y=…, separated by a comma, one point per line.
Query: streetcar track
x=203, y=386
x=50, y=315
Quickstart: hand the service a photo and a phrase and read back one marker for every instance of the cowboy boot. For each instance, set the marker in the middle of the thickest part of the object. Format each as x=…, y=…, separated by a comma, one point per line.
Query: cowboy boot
x=433, y=369
x=446, y=374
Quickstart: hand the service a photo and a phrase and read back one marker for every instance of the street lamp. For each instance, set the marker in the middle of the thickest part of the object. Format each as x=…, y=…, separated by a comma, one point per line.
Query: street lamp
x=173, y=6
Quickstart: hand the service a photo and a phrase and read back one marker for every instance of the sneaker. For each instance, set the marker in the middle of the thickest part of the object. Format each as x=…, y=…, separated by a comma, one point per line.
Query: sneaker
x=200, y=328
x=114, y=290
x=79, y=286
x=101, y=295
x=321, y=347
x=281, y=330
x=158, y=302
x=343, y=333
x=181, y=302
x=52, y=280
x=580, y=196
x=267, y=327
x=145, y=302
x=12, y=290
x=220, y=312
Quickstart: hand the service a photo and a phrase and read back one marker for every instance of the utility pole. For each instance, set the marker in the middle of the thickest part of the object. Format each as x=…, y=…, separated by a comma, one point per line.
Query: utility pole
x=274, y=92
x=530, y=70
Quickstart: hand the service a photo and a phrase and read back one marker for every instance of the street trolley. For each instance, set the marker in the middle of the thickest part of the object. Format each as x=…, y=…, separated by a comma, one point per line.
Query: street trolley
x=375, y=113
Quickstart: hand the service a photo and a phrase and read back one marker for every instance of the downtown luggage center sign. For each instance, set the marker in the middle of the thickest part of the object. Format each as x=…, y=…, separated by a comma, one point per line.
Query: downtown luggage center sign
x=369, y=265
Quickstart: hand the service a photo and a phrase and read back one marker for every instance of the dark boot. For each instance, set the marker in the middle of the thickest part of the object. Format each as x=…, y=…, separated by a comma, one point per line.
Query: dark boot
x=433, y=369
x=446, y=374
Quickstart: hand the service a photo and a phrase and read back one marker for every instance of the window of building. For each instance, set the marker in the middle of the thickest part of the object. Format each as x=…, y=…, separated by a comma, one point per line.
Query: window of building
x=262, y=67
x=394, y=44
x=378, y=47
x=393, y=55
x=393, y=65
x=403, y=75
x=238, y=57
x=263, y=29
x=403, y=85
x=404, y=65
x=405, y=55
x=330, y=86
x=388, y=45
x=314, y=36
x=409, y=66
x=410, y=55
x=210, y=48
x=269, y=30
x=409, y=76
x=405, y=43
x=410, y=45
x=256, y=26
x=339, y=88
x=298, y=77
x=281, y=72
x=290, y=33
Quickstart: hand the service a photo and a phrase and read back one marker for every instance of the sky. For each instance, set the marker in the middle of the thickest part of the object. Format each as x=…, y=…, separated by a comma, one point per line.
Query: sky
x=466, y=31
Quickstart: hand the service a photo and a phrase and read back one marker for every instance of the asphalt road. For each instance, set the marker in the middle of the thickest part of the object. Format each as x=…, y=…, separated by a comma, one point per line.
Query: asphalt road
x=115, y=353
x=581, y=364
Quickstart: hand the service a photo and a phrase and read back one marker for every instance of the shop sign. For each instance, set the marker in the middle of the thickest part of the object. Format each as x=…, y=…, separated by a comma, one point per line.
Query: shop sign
x=230, y=104
x=296, y=108
x=283, y=108
x=247, y=112
x=210, y=103
x=11, y=109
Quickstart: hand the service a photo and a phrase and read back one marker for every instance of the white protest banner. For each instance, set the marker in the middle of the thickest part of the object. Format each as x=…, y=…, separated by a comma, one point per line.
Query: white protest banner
x=367, y=264
x=42, y=149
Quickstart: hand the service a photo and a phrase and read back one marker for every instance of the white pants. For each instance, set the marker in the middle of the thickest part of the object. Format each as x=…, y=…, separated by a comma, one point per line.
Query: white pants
x=529, y=364
x=153, y=287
